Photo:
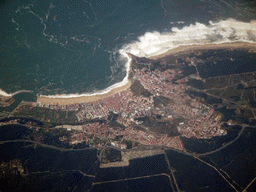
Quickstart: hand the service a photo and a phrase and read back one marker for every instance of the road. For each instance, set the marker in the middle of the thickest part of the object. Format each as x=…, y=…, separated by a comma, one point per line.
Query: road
x=44, y=145
x=137, y=149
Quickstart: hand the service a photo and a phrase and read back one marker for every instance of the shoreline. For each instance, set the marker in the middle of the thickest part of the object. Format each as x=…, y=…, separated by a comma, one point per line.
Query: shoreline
x=185, y=48
x=4, y=94
x=82, y=99
x=211, y=46
x=44, y=99
x=7, y=99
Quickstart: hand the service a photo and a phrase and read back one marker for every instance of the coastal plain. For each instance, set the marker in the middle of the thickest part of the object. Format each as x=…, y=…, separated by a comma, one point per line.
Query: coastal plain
x=130, y=96
x=171, y=94
x=177, y=109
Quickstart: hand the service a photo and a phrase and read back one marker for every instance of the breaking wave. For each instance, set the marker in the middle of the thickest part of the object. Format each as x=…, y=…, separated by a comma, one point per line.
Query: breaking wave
x=225, y=31
x=104, y=91
x=156, y=43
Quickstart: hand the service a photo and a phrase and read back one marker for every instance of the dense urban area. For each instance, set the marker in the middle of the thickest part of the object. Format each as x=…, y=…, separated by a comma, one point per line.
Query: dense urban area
x=157, y=110
x=177, y=113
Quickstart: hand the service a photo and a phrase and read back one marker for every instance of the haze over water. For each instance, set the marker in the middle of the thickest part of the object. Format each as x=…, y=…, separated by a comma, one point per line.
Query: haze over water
x=70, y=47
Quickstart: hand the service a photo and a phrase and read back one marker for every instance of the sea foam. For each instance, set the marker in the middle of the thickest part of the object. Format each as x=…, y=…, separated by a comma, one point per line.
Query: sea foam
x=124, y=55
x=225, y=31
x=156, y=43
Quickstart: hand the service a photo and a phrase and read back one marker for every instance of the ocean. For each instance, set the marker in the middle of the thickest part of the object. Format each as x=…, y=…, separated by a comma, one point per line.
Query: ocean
x=65, y=48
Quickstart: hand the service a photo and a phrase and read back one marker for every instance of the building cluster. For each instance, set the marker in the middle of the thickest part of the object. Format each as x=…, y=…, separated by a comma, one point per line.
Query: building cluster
x=96, y=129
x=123, y=103
x=104, y=131
x=198, y=120
x=147, y=138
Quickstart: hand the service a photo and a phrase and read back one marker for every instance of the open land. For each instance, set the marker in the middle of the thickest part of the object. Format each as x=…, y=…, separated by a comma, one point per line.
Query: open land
x=164, y=100
x=166, y=106
x=160, y=105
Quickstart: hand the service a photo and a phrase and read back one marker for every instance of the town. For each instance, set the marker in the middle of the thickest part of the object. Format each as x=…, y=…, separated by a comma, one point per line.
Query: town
x=155, y=111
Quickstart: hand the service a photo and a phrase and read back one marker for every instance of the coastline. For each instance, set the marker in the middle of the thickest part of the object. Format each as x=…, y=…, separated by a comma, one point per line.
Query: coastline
x=7, y=99
x=82, y=99
x=95, y=97
x=4, y=94
x=227, y=45
x=44, y=99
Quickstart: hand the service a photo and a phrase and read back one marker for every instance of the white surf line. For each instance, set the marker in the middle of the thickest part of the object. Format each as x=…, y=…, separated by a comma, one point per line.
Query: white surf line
x=104, y=91
x=155, y=43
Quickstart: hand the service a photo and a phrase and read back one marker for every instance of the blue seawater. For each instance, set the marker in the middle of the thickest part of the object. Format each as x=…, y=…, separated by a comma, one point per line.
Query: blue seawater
x=66, y=46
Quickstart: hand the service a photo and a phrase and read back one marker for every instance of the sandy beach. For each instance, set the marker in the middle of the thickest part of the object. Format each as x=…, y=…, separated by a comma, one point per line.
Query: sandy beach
x=235, y=45
x=82, y=99
x=72, y=100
